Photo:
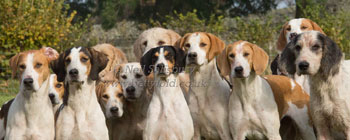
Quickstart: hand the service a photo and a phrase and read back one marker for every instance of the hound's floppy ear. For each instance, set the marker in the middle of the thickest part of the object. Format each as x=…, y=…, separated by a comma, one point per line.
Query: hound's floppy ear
x=180, y=42
x=14, y=63
x=282, y=40
x=98, y=62
x=223, y=63
x=260, y=59
x=216, y=46
x=315, y=26
x=287, y=58
x=180, y=60
x=138, y=48
x=146, y=62
x=58, y=67
x=50, y=53
x=331, y=56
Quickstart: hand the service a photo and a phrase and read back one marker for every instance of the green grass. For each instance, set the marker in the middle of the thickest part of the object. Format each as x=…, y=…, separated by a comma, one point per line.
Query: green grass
x=8, y=90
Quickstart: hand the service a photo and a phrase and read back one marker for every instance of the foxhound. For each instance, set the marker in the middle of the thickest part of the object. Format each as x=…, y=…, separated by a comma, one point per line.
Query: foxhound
x=256, y=103
x=316, y=55
x=168, y=115
x=30, y=115
x=81, y=116
x=289, y=30
x=56, y=91
x=208, y=102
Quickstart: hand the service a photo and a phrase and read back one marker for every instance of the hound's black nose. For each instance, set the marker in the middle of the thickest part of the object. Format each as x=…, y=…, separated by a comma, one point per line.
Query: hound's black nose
x=239, y=70
x=114, y=109
x=160, y=67
x=192, y=55
x=28, y=81
x=130, y=89
x=73, y=72
x=303, y=65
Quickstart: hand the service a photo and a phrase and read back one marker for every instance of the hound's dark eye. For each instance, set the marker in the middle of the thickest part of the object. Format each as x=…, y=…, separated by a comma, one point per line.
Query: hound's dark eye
x=168, y=56
x=83, y=59
x=124, y=76
x=297, y=47
x=145, y=43
x=203, y=44
x=161, y=43
x=246, y=54
x=58, y=85
x=67, y=61
x=105, y=96
x=288, y=29
x=120, y=95
x=315, y=47
x=38, y=65
x=188, y=45
x=138, y=75
x=232, y=56
x=22, y=66
x=303, y=27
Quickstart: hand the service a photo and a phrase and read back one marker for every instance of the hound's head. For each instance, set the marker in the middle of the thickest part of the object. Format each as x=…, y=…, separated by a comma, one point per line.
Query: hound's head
x=78, y=64
x=163, y=61
x=32, y=67
x=294, y=27
x=200, y=47
x=242, y=58
x=311, y=53
x=132, y=80
x=56, y=90
x=152, y=38
x=110, y=96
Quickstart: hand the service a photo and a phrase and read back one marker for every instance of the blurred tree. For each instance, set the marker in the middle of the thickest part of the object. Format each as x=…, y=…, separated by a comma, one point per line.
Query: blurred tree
x=245, y=7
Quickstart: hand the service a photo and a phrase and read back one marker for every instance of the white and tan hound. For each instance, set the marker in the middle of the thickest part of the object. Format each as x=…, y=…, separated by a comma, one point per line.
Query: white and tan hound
x=257, y=104
x=209, y=92
x=30, y=115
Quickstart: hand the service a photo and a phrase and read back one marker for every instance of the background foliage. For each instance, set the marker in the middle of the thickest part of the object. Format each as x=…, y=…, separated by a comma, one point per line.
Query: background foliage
x=31, y=24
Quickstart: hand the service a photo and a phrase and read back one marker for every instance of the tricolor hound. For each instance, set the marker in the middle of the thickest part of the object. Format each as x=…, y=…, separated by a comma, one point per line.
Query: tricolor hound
x=168, y=115
x=81, y=116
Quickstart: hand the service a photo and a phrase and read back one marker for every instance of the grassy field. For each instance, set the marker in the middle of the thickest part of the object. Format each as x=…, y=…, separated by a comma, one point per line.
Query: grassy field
x=8, y=90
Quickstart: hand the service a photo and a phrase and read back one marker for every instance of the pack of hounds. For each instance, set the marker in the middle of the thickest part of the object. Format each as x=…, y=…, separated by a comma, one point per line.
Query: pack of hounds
x=190, y=87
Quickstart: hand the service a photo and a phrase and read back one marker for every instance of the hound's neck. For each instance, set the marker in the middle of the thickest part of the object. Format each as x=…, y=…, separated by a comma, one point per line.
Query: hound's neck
x=247, y=89
x=139, y=105
x=167, y=88
x=81, y=96
x=205, y=76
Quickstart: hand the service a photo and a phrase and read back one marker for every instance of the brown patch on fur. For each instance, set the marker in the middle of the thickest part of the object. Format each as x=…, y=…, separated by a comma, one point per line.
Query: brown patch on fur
x=259, y=57
x=156, y=54
x=59, y=89
x=284, y=94
x=87, y=63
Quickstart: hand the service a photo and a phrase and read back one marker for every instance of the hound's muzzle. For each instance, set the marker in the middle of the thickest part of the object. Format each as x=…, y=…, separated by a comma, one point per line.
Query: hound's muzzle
x=131, y=92
x=192, y=58
x=303, y=67
x=74, y=74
